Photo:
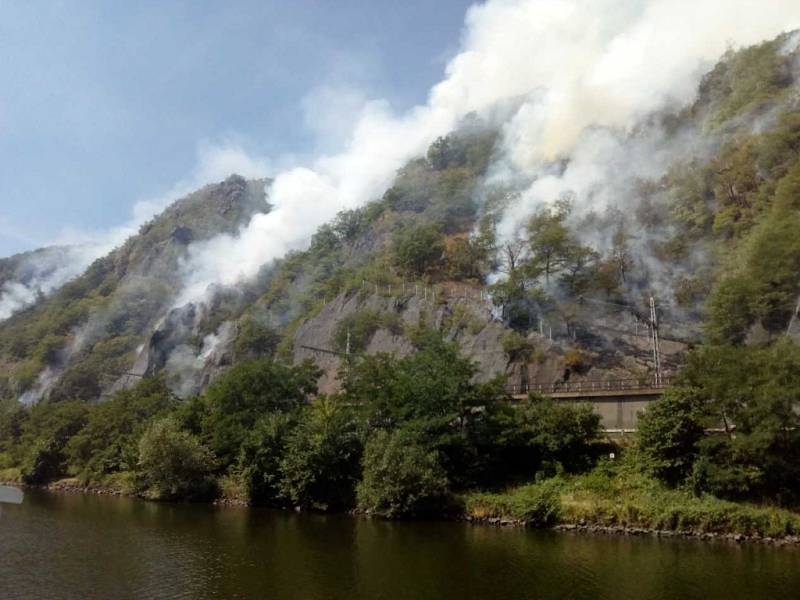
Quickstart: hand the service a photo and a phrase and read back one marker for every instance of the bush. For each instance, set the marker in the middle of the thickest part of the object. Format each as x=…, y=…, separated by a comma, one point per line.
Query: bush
x=538, y=504
x=110, y=441
x=575, y=360
x=418, y=250
x=44, y=437
x=254, y=339
x=243, y=394
x=320, y=466
x=173, y=464
x=401, y=477
x=360, y=326
x=517, y=347
x=553, y=435
x=261, y=455
x=669, y=433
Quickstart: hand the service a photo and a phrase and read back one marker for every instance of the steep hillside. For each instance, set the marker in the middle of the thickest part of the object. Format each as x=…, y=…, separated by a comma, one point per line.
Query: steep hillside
x=25, y=277
x=696, y=208
x=85, y=335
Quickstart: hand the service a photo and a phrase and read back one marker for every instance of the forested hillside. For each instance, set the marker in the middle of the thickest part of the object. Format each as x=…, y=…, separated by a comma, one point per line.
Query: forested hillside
x=426, y=301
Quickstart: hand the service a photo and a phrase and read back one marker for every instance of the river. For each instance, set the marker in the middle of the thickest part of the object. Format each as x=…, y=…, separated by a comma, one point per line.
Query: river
x=75, y=546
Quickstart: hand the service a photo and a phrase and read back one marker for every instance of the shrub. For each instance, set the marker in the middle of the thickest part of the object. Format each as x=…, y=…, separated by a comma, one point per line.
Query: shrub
x=254, y=340
x=401, y=476
x=44, y=437
x=538, y=504
x=574, y=360
x=173, y=464
x=261, y=455
x=556, y=435
x=669, y=433
x=110, y=441
x=243, y=394
x=361, y=326
x=320, y=466
x=517, y=347
x=418, y=250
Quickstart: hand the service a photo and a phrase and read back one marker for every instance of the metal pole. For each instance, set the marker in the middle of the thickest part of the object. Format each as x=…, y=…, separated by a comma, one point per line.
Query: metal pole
x=794, y=317
x=656, y=345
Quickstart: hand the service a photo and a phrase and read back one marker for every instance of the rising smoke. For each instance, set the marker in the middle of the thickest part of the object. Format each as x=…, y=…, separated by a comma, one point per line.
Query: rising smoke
x=40, y=273
x=579, y=74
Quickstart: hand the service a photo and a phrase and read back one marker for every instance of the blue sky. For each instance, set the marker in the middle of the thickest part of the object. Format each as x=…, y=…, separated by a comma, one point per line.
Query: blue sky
x=103, y=104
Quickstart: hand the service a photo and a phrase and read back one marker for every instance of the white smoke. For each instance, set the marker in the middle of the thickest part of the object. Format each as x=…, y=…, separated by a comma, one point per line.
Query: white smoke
x=185, y=366
x=41, y=273
x=570, y=66
x=38, y=274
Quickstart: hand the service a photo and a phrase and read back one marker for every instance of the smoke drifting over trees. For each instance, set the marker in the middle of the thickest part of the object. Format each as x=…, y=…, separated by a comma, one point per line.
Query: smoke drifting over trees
x=562, y=80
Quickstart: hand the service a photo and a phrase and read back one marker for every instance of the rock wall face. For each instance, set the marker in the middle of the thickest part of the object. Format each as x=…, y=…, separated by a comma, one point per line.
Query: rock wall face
x=113, y=324
x=592, y=353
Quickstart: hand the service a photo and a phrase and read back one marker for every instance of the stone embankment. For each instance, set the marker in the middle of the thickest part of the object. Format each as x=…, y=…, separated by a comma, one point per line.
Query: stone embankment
x=620, y=530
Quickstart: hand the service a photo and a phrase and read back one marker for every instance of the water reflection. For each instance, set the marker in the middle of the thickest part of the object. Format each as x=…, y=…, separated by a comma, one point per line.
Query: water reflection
x=72, y=546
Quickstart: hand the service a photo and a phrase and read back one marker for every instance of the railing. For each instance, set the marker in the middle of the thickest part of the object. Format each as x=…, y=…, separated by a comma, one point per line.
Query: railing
x=608, y=385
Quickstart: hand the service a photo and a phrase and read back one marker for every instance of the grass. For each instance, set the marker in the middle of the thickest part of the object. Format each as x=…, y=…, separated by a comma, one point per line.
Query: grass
x=11, y=474
x=622, y=497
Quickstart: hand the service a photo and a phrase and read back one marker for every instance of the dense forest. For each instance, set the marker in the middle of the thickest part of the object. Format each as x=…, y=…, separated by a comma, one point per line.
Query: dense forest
x=427, y=430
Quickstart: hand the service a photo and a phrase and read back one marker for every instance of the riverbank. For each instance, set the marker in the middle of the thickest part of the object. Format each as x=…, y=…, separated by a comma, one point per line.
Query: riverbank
x=597, y=503
x=628, y=503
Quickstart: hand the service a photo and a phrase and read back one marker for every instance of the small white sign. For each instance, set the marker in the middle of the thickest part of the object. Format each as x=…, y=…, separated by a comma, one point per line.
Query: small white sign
x=10, y=495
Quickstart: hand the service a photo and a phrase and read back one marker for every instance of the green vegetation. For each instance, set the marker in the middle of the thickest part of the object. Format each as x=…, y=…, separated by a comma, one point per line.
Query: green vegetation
x=749, y=395
x=109, y=441
x=321, y=462
x=418, y=250
x=621, y=496
x=396, y=441
x=173, y=464
x=359, y=327
x=402, y=476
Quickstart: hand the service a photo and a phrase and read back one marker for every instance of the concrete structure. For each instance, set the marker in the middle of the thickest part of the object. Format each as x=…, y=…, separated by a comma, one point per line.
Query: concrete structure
x=617, y=402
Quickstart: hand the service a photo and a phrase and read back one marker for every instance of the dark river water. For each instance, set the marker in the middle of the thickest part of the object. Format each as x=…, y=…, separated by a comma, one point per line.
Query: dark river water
x=74, y=546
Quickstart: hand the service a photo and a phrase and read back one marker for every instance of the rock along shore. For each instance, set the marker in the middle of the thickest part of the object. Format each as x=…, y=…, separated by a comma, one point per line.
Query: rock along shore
x=73, y=487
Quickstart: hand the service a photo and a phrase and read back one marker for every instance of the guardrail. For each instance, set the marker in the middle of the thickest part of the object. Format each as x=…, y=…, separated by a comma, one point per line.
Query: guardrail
x=608, y=385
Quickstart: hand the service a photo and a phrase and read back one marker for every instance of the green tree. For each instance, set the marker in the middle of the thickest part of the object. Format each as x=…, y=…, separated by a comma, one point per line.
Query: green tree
x=433, y=391
x=233, y=403
x=402, y=476
x=320, y=466
x=549, y=238
x=418, y=250
x=173, y=464
x=580, y=265
x=261, y=455
x=751, y=394
x=109, y=442
x=254, y=339
x=556, y=435
x=669, y=435
x=44, y=437
x=731, y=310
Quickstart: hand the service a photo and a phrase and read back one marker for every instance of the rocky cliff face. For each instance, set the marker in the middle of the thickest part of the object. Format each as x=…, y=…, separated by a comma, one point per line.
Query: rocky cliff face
x=111, y=324
x=594, y=351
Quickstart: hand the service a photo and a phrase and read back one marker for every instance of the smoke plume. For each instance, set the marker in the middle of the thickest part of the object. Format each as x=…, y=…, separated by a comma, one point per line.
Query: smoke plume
x=38, y=274
x=567, y=68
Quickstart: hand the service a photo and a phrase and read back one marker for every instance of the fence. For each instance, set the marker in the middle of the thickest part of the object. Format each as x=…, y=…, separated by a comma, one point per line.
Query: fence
x=430, y=292
x=609, y=385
